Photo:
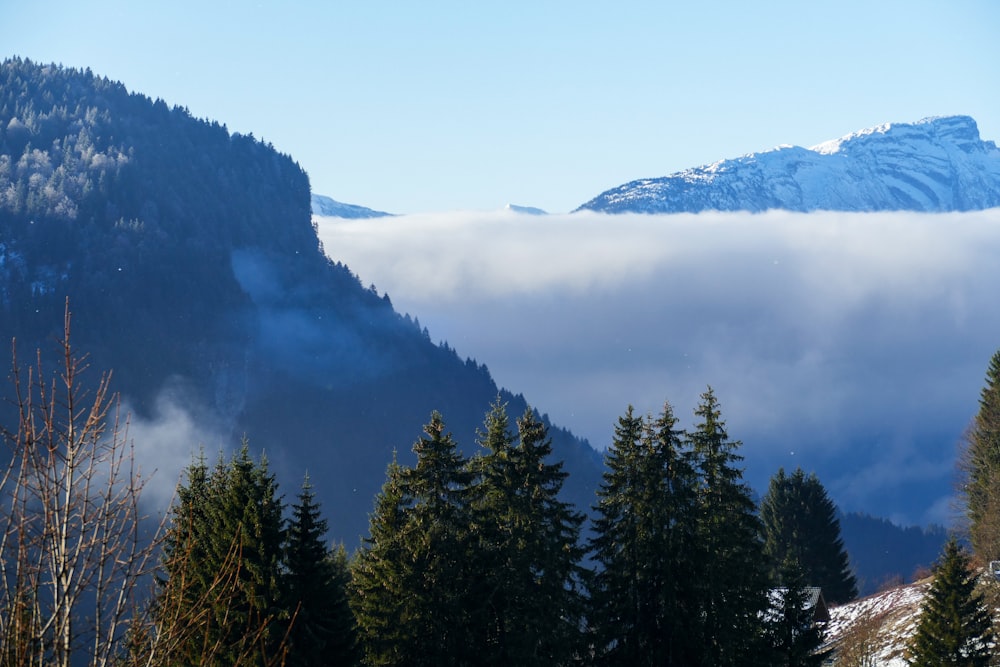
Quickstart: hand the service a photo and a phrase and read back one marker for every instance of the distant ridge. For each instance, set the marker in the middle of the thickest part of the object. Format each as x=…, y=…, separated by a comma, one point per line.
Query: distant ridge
x=936, y=164
x=322, y=205
x=525, y=210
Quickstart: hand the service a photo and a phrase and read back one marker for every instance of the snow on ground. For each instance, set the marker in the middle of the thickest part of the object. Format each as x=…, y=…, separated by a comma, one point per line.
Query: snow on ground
x=878, y=627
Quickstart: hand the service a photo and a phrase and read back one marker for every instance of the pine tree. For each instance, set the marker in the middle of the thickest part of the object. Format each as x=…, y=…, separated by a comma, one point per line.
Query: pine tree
x=732, y=583
x=643, y=534
x=800, y=524
x=315, y=584
x=955, y=626
x=982, y=462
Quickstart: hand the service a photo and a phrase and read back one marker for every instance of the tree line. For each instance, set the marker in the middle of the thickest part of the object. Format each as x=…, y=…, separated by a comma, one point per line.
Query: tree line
x=468, y=560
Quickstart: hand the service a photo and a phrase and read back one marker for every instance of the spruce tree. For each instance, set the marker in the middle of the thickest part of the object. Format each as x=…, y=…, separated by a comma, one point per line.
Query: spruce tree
x=413, y=574
x=245, y=514
x=955, y=627
x=732, y=583
x=219, y=598
x=549, y=614
x=315, y=584
x=643, y=534
x=982, y=462
x=800, y=524
x=382, y=579
x=795, y=637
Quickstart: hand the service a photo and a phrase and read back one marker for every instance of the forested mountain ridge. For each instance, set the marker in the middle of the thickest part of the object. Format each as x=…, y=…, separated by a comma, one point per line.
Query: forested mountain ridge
x=190, y=261
x=936, y=164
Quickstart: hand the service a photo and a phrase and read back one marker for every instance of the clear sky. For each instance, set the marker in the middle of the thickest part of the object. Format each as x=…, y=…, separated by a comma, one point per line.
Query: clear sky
x=433, y=106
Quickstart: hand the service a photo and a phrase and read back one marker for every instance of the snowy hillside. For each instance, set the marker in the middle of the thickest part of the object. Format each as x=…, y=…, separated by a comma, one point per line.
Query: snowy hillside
x=875, y=630
x=332, y=208
x=936, y=164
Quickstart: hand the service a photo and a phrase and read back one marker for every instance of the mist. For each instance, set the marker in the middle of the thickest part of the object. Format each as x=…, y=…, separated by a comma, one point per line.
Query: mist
x=167, y=441
x=852, y=345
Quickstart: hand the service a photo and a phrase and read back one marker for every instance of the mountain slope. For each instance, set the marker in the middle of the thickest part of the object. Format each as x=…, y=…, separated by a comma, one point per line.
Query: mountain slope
x=876, y=629
x=936, y=164
x=194, y=272
x=331, y=208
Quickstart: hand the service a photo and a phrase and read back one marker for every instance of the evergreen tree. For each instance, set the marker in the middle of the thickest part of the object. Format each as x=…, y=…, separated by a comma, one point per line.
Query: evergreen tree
x=954, y=626
x=322, y=625
x=642, y=540
x=219, y=600
x=731, y=580
x=800, y=523
x=795, y=637
x=982, y=462
x=382, y=579
x=247, y=513
x=418, y=555
x=545, y=619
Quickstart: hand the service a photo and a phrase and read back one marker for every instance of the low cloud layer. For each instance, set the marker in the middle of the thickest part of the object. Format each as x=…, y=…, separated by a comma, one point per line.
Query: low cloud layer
x=854, y=345
x=167, y=442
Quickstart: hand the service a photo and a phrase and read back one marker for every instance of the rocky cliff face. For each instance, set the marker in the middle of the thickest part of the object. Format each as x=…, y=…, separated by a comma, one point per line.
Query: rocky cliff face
x=936, y=164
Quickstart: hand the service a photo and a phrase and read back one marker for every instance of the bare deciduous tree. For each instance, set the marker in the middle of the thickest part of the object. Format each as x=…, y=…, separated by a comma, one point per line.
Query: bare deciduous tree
x=859, y=647
x=72, y=543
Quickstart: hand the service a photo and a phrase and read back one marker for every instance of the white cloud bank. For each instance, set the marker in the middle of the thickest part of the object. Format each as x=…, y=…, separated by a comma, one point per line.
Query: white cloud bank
x=851, y=344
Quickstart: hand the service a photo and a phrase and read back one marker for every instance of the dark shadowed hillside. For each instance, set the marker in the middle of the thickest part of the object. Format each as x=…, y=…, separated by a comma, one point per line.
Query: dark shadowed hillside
x=190, y=262
x=884, y=554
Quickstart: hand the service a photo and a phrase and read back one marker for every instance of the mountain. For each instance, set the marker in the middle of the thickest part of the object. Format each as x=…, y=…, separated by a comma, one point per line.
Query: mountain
x=936, y=164
x=331, y=208
x=525, y=210
x=882, y=553
x=194, y=274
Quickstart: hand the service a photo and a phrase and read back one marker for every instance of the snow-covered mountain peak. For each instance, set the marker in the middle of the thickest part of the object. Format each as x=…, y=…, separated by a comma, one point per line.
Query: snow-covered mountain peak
x=525, y=210
x=962, y=131
x=331, y=208
x=935, y=164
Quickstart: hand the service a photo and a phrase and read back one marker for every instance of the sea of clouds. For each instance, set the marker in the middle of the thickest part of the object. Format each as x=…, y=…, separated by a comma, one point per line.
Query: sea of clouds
x=852, y=345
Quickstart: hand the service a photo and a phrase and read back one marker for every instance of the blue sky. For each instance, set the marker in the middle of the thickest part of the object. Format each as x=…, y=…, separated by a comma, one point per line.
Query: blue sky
x=435, y=106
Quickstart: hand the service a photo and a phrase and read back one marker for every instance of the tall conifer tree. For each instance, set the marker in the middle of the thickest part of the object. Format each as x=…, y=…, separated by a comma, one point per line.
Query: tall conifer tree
x=795, y=637
x=246, y=513
x=525, y=603
x=732, y=581
x=982, y=460
x=382, y=578
x=801, y=525
x=552, y=609
x=412, y=576
x=643, y=534
x=219, y=601
x=955, y=627
x=315, y=584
